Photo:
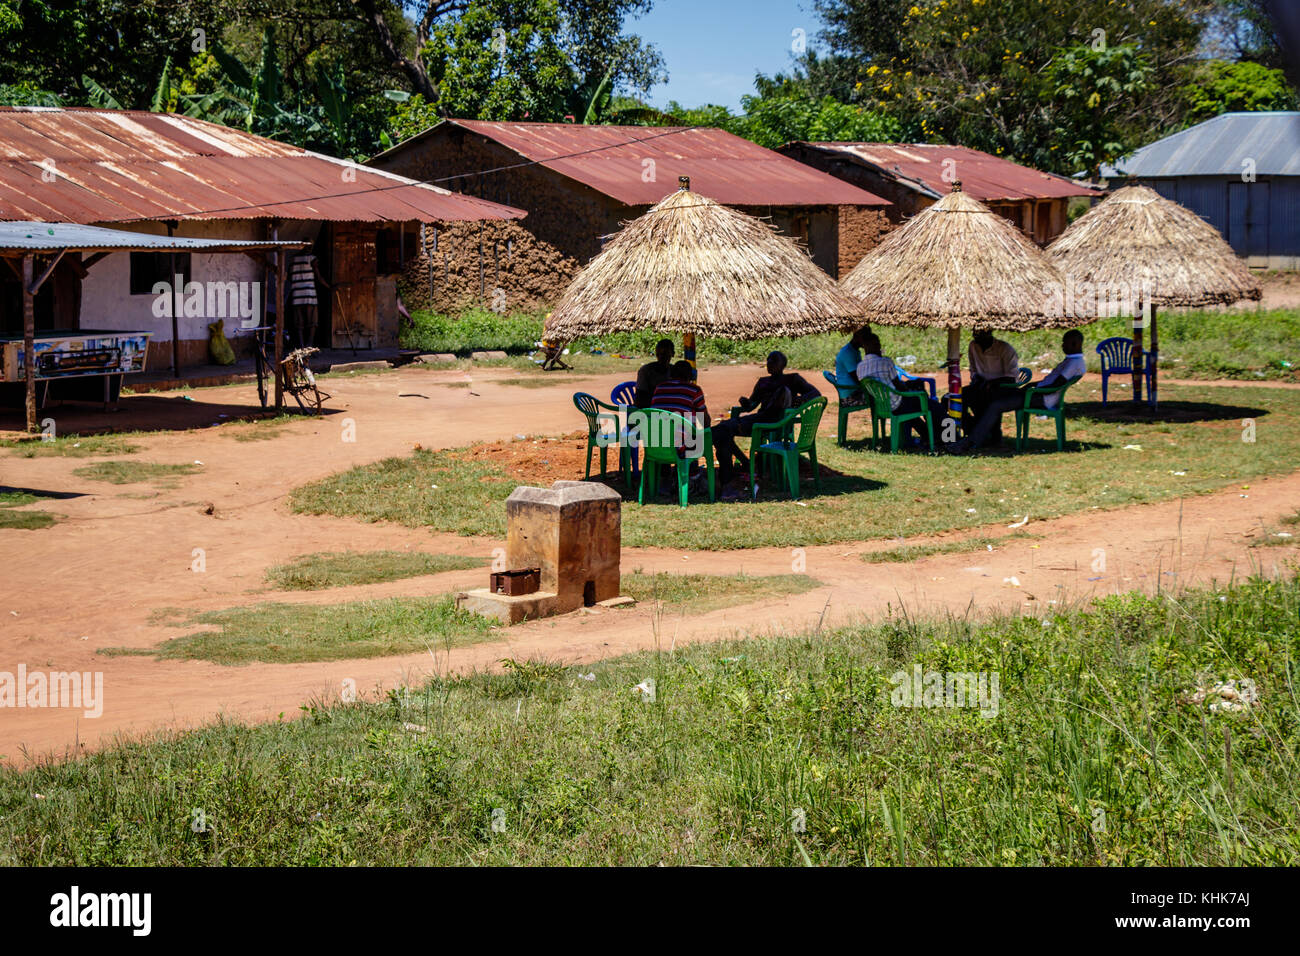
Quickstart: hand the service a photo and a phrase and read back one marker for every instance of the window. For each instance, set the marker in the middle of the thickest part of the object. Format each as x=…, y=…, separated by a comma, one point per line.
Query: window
x=149, y=268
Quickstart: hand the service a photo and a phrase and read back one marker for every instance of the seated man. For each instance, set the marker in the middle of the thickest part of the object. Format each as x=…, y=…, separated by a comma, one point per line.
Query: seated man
x=993, y=363
x=1072, y=366
x=773, y=395
x=653, y=374
x=680, y=394
x=876, y=366
x=846, y=368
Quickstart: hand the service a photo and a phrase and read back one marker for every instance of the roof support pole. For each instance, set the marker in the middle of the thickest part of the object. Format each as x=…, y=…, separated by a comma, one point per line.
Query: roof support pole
x=279, y=327
x=29, y=343
x=1136, y=358
x=954, y=373
x=1153, y=356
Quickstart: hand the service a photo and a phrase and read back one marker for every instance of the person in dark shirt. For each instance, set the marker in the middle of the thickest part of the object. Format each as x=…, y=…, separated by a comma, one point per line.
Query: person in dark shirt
x=653, y=374
x=774, y=394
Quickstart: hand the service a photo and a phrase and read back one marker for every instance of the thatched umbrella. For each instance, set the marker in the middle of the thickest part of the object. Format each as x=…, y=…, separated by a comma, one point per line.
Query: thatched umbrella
x=957, y=265
x=693, y=266
x=1138, y=247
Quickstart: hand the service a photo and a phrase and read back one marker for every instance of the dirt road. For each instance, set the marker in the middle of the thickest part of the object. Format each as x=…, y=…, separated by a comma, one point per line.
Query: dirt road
x=119, y=553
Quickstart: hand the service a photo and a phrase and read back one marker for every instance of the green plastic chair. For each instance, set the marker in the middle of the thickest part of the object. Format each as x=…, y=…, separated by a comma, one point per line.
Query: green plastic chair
x=796, y=434
x=1058, y=413
x=882, y=413
x=844, y=410
x=591, y=406
x=659, y=429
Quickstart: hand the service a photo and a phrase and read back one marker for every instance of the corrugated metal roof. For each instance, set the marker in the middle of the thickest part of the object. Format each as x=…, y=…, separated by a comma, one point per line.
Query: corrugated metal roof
x=85, y=165
x=988, y=178
x=1220, y=147
x=611, y=159
x=54, y=236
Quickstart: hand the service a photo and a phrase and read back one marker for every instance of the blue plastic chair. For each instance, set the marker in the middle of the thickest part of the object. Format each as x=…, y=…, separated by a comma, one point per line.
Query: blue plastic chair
x=1117, y=359
x=904, y=376
x=624, y=394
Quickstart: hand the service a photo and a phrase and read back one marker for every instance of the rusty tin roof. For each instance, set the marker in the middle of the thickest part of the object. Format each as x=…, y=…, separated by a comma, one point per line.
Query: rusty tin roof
x=639, y=165
x=99, y=166
x=930, y=169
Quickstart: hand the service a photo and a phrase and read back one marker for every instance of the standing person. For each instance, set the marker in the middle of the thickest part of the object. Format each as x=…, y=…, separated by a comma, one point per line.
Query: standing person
x=1072, y=366
x=773, y=395
x=304, y=273
x=846, y=368
x=993, y=363
x=653, y=374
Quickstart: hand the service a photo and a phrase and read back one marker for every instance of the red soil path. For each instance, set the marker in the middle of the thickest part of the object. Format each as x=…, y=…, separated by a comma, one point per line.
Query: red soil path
x=93, y=579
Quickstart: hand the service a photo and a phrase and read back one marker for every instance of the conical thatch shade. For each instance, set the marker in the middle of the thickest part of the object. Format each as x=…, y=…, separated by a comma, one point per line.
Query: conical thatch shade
x=1137, y=240
x=693, y=266
x=957, y=264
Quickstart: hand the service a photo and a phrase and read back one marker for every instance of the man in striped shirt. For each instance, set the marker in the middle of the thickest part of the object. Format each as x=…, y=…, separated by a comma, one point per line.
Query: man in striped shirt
x=304, y=273
x=680, y=394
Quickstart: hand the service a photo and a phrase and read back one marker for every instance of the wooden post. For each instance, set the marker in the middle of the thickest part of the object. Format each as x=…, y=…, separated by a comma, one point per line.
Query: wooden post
x=688, y=351
x=954, y=374
x=1135, y=358
x=280, y=276
x=177, y=294
x=29, y=343
x=1154, y=358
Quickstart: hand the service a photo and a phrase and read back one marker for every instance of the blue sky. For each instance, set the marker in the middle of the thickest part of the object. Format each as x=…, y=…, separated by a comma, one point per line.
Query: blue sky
x=713, y=48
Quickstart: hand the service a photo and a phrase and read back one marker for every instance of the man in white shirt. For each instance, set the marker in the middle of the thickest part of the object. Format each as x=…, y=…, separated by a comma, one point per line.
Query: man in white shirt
x=993, y=363
x=1071, y=367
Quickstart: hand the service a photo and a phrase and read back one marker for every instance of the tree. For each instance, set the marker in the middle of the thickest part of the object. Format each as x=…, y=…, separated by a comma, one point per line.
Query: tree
x=1091, y=89
x=1222, y=87
x=980, y=72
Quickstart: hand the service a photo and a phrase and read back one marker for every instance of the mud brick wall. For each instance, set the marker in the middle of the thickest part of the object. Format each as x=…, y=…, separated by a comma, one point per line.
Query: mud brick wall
x=530, y=260
x=861, y=228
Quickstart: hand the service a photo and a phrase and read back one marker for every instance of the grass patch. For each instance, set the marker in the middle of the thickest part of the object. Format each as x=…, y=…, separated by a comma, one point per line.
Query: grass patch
x=699, y=593
x=1197, y=344
x=70, y=446
x=313, y=572
x=22, y=520
x=1098, y=755
x=914, y=552
x=540, y=381
x=298, y=633
x=134, y=472
x=1194, y=447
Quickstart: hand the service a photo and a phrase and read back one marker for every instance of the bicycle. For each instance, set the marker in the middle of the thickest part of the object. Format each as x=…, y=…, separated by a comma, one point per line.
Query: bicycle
x=295, y=374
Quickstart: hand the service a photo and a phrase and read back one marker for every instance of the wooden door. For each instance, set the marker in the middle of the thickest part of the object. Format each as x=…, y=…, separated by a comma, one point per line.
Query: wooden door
x=353, y=322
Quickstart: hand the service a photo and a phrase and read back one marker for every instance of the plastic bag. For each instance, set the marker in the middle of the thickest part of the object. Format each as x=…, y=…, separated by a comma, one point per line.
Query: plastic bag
x=218, y=345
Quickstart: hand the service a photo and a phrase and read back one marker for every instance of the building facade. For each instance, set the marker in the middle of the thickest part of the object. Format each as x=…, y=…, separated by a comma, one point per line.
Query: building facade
x=579, y=184
x=913, y=176
x=1238, y=171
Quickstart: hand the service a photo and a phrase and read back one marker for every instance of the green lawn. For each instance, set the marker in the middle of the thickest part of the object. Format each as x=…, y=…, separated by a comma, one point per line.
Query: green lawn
x=1245, y=344
x=277, y=633
x=22, y=520
x=1113, y=458
x=778, y=751
x=313, y=572
x=134, y=472
x=72, y=446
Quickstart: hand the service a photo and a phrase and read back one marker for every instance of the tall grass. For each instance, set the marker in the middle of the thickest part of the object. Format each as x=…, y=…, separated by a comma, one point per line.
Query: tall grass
x=1198, y=344
x=771, y=750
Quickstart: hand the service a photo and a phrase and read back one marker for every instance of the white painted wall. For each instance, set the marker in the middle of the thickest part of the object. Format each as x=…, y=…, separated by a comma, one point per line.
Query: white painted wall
x=107, y=303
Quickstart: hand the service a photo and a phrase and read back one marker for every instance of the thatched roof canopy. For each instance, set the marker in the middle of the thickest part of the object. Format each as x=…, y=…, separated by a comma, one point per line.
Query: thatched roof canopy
x=957, y=264
x=1136, y=239
x=690, y=264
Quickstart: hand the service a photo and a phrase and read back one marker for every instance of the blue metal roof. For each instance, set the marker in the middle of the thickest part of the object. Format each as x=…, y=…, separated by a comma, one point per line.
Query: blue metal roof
x=1220, y=147
x=19, y=236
